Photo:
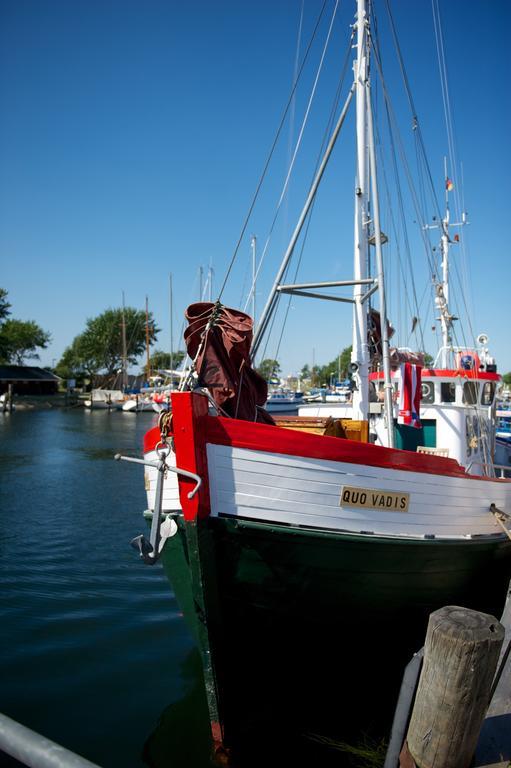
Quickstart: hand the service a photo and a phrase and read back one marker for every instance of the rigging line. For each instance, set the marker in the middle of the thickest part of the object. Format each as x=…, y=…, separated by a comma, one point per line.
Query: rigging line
x=464, y=251
x=297, y=146
x=398, y=249
x=336, y=102
x=293, y=108
x=416, y=124
x=309, y=105
x=442, y=67
x=406, y=167
x=402, y=216
x=324, y=142
x=440, y=43
x=270, y=155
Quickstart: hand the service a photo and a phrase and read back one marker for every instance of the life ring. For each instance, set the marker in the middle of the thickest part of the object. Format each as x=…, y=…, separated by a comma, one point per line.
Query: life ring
x=467, y=360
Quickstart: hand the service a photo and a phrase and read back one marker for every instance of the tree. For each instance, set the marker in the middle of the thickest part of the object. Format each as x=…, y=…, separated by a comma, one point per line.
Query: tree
x=506, y=378
x=428, y=360
x=161, y=360
x=100, y=347
x=4, y=304
x=20, y=339
x=268, y=369
x=338, y=368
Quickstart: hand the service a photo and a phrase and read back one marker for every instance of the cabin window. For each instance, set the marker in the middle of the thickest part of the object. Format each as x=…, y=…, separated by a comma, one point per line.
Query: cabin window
x=488, y=393
x=428, y=392
x=447, y=392
x=470, y=392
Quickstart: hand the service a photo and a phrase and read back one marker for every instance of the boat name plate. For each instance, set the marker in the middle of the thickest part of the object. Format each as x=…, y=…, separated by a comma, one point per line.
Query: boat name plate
x=373, y=498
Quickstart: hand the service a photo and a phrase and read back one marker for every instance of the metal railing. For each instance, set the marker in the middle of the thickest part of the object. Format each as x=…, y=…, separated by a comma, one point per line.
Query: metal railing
x=488, y=465
x=34, y=750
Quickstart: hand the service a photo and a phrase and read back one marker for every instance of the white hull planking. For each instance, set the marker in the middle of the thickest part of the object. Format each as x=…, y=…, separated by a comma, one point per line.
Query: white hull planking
x=294, y=490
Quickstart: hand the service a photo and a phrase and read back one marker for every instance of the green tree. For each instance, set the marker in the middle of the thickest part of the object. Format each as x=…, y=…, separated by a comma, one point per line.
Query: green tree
x=19, y=340
x=268, y=368
x=76, y=362
x=99, y=349
x=336, y=368
x=506, y=378
x=161, y=360
x=428, y=360
x=4, y=304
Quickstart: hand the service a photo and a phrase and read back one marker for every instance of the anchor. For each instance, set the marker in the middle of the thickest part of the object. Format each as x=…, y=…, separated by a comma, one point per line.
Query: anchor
x=160, y=532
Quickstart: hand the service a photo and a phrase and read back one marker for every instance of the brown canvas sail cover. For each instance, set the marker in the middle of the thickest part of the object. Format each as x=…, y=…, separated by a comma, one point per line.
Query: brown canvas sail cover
x=222, y=339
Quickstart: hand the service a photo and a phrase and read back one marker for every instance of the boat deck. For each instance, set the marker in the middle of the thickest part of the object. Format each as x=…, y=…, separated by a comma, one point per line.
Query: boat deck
x=494, y=747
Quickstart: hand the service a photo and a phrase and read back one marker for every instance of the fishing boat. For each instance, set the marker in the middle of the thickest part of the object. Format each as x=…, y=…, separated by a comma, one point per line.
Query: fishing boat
x=307, y=556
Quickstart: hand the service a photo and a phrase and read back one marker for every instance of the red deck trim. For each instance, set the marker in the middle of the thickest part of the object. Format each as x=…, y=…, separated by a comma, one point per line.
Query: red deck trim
x=430, y=373
x=264, y=437
x=194, y=427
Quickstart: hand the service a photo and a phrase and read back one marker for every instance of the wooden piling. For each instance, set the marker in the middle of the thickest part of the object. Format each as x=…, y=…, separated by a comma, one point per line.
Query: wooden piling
x=460, y=658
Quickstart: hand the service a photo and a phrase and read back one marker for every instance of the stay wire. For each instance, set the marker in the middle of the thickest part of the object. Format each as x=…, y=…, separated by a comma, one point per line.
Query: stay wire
x=297, y=146
x=416, y=125
x=324, y=142
x=270, y=155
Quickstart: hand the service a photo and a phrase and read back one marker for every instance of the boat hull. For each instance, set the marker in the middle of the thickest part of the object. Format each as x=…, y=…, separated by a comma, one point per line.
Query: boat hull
x=306, y=621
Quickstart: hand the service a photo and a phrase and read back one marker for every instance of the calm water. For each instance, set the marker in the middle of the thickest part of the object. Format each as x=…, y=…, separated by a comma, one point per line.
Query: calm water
x=93, y=652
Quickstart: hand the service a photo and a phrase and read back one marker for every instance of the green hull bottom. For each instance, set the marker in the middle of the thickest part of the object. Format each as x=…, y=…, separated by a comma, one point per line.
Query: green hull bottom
x=310, y=632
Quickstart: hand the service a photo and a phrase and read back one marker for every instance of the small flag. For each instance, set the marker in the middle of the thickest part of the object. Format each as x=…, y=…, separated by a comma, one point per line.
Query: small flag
x=449, y=185
x=410, y=395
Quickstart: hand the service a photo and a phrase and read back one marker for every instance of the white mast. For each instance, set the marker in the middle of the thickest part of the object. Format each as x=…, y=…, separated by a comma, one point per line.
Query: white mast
x=360, y=351
x=442, y=288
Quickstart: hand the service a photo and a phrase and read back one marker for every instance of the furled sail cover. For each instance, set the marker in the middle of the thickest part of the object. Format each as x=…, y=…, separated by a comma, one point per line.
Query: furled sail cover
x=218, y=339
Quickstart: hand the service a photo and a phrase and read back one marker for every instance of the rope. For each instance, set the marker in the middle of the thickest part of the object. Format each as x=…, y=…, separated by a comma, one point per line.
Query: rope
x=501, y=517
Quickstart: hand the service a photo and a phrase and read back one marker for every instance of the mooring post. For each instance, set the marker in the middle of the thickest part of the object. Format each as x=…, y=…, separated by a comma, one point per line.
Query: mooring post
x=461, y=653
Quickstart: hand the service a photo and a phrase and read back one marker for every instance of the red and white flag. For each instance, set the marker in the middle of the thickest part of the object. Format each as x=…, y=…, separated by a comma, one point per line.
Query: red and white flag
x=410, y=395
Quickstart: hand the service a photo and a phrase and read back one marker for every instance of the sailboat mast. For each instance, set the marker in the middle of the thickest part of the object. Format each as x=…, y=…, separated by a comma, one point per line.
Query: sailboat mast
x=360, y=349
x=148, y=363
x=124, y=348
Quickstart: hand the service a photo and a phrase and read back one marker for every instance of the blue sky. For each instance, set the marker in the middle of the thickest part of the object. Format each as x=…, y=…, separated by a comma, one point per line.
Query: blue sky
x=133, y=135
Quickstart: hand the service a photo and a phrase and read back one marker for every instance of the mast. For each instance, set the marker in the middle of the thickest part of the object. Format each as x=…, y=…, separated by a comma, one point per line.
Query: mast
x=124, y=348
x=210, y=284
x=360, y=349
x=442, y=288
x=366, y=169
x=171, y=334
x=148, y=364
